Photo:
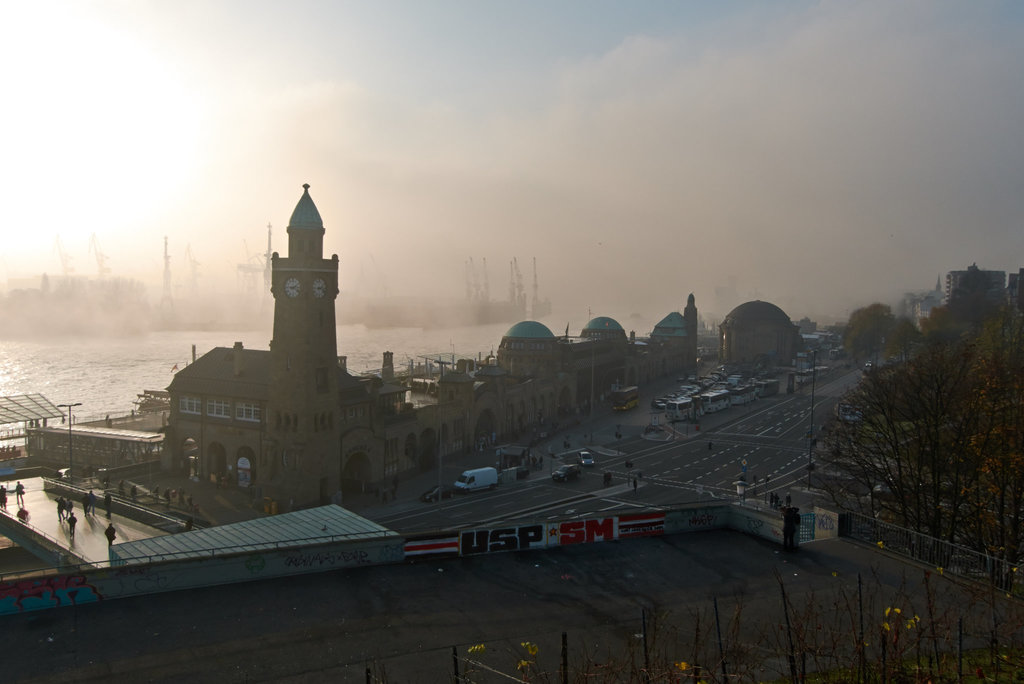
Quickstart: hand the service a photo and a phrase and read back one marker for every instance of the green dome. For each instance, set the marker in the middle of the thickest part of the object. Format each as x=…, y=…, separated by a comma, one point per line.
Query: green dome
x=602, y=323
x=529, y=330
x=306, y=214
x=673, y=325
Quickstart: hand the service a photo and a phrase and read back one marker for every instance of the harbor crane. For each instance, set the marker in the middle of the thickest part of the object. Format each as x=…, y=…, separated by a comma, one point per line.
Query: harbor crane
x=102, y=270
x=193, y=270
x=65, y=259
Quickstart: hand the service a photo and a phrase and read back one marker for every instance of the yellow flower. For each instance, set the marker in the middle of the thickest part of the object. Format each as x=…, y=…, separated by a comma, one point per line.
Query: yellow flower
x=885, y=626
x=940, y=569
x=835, y=574
x=897, y=611
x=523, y=665
x=682, y=665
x=479, y=648
x=531, y=648
x=887, y=611
x=881, y=545
x=911, y=624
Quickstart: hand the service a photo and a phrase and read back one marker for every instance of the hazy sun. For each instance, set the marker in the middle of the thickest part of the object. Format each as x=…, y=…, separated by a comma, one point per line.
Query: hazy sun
x=97, y=129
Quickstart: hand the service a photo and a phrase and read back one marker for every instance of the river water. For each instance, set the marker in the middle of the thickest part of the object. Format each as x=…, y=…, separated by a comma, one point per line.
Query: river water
x=106, y=374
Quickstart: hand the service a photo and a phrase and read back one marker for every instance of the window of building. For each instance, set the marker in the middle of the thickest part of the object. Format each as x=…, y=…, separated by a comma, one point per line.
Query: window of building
x=218, y=408
x=247, y=411
x=391, y=457
x=190, y=405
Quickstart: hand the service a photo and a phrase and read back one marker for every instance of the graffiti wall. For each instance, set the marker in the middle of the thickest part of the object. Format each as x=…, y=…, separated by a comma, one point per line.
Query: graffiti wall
x=131, y=580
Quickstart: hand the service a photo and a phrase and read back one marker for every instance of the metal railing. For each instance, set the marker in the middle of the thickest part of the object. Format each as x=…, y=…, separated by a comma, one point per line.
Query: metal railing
x=944, y=556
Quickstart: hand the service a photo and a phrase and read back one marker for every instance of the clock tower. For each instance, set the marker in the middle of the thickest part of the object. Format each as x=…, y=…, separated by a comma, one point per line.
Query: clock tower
x=303, y=405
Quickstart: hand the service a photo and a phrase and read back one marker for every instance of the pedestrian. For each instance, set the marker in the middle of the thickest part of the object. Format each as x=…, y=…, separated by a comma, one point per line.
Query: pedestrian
x=72, y=521
x=85, y=504
x=107, y=501
x=634, y=485
x=189, y=524
x=60, y=509
x=120, y=488
x=69, y=508
x=135, y=490
x=789, y=500
x=167, y=496
x=710, y=446
x=23, y=515
x=111, y=533
x=3, y=497
x=790, y=521
x=19, y=493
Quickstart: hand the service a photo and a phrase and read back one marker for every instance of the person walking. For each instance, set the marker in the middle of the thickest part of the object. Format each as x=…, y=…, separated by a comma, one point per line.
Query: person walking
x=60, y=509
x=92, y=502
x=3, y=497
x=69, y=508
x=111, y=534
x=72, y=521
x=634, y=485
x=107, y=500
x=19, y=493
x=85, y=504
x=790, y=521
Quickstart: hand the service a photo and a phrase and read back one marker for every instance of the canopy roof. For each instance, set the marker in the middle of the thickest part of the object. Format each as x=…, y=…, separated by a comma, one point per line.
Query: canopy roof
x=21, y=408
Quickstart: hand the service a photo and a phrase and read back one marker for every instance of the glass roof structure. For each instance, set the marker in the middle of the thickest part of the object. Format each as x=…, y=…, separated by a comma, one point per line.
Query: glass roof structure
x=21, y=408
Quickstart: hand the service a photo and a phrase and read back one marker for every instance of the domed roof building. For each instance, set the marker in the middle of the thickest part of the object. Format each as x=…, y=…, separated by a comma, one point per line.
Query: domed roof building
x=603, y=327
x=529, y=330
x=676, y=335
x=528, y=349
x=759, y=333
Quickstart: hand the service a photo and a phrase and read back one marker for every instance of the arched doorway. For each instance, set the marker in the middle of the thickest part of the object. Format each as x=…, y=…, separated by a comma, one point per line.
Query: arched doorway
x=218, y=459
x=191, y=457
x=356, y=474
x=485, y=427
x=245, y=467
x=428, y=450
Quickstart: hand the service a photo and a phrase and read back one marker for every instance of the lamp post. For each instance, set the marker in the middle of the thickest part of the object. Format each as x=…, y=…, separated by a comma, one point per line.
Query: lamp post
x=70, y=460
x=810, y=430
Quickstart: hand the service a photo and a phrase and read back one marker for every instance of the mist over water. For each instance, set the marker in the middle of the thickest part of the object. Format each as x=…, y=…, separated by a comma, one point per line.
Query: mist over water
x=107, y=374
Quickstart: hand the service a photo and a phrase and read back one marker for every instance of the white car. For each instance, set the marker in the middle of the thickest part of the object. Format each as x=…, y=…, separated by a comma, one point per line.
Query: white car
x=587, y=459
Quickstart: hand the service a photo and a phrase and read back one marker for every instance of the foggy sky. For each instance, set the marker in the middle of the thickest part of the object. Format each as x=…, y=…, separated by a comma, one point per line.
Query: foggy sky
x=817, y=155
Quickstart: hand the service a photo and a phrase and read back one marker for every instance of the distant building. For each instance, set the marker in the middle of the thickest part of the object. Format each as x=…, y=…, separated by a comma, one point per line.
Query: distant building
x=975, y=281
x=1014, y=290
x=758, y=334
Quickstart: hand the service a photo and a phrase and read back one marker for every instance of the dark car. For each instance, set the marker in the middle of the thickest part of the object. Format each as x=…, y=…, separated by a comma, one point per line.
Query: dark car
x=431, y=494
x=566, y=473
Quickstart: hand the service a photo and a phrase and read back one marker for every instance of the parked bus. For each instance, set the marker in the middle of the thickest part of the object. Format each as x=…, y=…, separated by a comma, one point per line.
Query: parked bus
x=680, y=409
x=742, y=395
x=767, y=388
x=625, y=398
x=714, y=400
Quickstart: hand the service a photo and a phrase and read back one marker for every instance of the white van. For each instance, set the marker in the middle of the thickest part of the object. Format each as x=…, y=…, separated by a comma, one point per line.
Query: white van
x=477, y=478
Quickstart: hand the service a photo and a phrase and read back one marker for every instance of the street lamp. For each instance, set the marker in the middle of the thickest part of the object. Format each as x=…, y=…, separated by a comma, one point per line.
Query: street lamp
x=69, y=407
x=810, y=432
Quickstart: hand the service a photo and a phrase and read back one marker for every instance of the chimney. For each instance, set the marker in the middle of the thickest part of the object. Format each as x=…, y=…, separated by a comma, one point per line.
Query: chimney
x=239, y=366
x=387, y=371
x=343, y=363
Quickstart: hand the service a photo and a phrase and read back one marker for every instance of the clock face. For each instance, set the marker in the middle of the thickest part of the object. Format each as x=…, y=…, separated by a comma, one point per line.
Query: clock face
x=319, y=288
x=291, y=287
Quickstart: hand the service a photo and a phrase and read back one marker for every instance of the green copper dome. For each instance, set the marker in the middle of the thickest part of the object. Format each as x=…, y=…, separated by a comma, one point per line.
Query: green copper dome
x=529, y=329
x=306, y=215
x=602, y=323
